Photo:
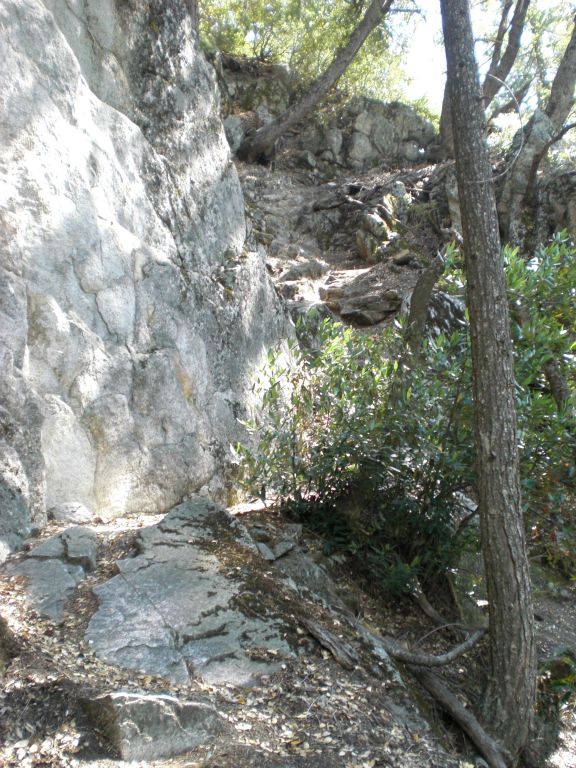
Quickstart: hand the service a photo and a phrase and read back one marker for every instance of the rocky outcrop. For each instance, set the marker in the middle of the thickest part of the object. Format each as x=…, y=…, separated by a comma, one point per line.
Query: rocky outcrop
x=357, y=134
x=185, y=605
x=131, y=311
x=249, y=85
x=368, y=132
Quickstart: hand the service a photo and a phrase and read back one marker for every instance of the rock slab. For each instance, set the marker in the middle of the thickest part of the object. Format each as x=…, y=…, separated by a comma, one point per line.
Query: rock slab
x=180, y=604
x=55, y=567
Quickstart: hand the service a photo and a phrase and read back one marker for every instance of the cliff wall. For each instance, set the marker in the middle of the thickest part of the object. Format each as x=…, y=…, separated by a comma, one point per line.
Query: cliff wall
x=131, y=312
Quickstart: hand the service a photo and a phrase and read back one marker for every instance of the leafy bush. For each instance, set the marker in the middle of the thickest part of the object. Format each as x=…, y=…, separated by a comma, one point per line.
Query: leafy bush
x=371, y=446
x=369, y=449
x=542, y=299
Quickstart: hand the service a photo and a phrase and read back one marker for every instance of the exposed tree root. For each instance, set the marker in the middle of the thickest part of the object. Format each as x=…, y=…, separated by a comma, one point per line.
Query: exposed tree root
x=416, y=663
x=429, y=659
x=490, y=749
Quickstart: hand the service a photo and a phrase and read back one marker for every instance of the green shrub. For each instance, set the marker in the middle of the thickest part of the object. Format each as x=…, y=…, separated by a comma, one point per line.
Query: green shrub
x=368, y=449
x=371, y=446
x=542, y=298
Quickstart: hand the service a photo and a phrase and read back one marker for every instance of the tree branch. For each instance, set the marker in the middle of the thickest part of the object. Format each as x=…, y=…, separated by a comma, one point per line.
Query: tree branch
x=500, y=34
x=500, y=68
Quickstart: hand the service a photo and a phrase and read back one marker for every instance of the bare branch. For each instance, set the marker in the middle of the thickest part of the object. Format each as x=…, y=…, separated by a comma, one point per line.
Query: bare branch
x=500, y=34
x=500, y=69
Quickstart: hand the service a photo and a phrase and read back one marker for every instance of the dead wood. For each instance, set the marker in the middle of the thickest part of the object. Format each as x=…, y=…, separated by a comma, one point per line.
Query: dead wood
x=341, y=651
x=429, y=659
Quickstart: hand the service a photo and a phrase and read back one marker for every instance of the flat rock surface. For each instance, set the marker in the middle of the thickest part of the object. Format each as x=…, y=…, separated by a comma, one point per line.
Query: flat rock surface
x=178, y=603
x=54, y=568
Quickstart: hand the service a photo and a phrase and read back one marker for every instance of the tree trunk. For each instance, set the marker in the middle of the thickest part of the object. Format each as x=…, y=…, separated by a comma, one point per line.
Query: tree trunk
x=193, y=7
x=531, y=145
x=500, y=66
x=510, y=693
x=446, y=133
x=261, y=144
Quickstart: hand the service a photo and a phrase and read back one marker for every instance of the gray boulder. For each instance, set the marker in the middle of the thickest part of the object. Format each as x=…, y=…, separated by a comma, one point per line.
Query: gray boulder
x=235, y=131
x=142, y=726
x=380, y=132
x=76, y=546
x=49, y=584
x=71, y=512
x=55, y=567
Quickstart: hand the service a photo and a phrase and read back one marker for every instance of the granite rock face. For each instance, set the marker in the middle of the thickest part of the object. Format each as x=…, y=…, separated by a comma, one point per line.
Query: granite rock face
x=131, y=312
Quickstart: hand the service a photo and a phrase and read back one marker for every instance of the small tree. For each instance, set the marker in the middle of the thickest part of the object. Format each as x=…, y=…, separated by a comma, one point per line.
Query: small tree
x=510, y=693
x=531, y=145
x=260, y=144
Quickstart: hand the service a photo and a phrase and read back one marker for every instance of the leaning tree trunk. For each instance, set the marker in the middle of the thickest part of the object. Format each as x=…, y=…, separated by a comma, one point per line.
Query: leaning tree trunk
x=509, y=697
x=261, y=143
x=531, y=145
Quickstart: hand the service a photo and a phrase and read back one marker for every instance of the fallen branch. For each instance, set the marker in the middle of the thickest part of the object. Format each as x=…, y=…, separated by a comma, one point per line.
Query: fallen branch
x=423, y=603
x=485, y=744
x=341, y=651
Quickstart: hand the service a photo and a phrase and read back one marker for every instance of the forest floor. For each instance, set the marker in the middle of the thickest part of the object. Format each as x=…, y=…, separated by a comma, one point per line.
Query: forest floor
x=314, y=713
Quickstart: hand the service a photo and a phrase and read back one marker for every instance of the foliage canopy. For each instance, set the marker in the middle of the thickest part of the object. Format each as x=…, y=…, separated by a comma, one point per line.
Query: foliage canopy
x=304, y=35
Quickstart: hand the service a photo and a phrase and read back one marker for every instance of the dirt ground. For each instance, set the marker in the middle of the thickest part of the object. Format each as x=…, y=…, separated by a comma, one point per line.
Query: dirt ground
x=313, y=714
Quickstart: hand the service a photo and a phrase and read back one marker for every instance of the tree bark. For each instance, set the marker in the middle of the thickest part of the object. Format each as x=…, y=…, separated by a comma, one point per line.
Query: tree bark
x=510, y=693
x=260, y=144
x=419, y=302
x=561, y=98
x=531, y=145
x=446, y=133
x=500, y=66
